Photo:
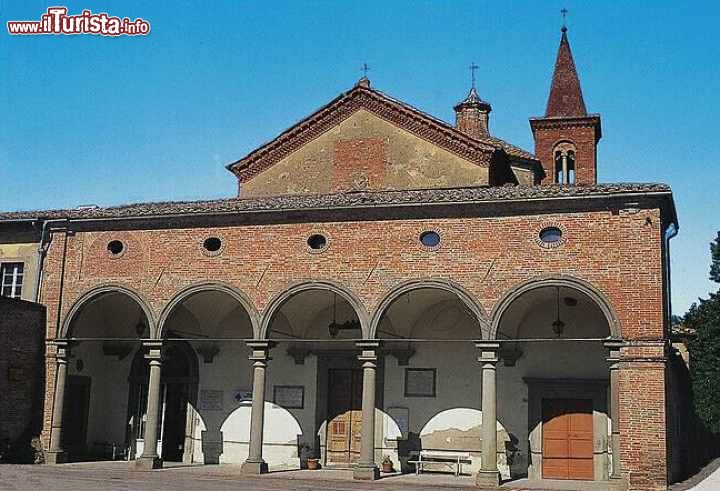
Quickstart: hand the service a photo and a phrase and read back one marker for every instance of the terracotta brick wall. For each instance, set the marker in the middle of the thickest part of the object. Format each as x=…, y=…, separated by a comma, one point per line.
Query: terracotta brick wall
x=586, y=155
x=21, y=374
x=643, y=447
x=359, y=164
x=618, y=252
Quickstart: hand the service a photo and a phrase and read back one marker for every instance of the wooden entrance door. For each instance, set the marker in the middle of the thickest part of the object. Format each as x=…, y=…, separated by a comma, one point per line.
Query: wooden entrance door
x=567, y=434
x=344, y=416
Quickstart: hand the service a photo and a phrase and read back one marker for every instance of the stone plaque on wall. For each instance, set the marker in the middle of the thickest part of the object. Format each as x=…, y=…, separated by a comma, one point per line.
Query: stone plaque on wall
x=211, y=400
x=289, y=396
x=419, y=382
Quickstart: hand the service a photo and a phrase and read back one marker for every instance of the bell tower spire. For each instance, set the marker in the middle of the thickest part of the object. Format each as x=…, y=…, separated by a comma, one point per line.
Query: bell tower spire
x=566, y=137
x=565, y=97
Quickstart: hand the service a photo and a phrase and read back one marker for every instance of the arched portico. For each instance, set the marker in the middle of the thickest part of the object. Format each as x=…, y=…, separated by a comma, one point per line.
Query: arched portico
x=95, y=294
x=104, y=327
x=555, y=332
x=436, y=328
x=221, y=288
x=211, y=322
x=319, y=327
x=452, y=289
x=318, y=287
x=593, y=294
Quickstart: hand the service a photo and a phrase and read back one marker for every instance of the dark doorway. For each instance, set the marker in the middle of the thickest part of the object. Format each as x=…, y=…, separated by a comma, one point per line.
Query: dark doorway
x=75, y=416
x=174, y=424
x=344, y=416
x=179, y=376
x=567, y=435
x=179, y=379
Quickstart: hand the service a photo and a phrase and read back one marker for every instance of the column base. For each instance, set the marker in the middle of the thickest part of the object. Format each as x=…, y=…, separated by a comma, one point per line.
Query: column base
x=487, y=479
x=55, y=457
x=148, y=463
x=617, y=483
x=366, y=473
x=254, y=468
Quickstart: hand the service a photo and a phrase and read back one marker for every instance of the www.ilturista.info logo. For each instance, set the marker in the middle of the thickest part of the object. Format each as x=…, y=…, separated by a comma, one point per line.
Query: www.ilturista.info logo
x=56, y=21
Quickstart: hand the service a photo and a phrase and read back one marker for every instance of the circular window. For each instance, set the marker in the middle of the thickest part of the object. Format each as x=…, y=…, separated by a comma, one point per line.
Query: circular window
x=115, y=247
x=550, y=235
x=317, y=242
x=430, y=239
x=212, y=244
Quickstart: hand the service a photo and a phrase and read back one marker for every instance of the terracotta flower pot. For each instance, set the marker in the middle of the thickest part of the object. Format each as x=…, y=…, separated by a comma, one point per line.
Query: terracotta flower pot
x=313, y=464
x=387, y=468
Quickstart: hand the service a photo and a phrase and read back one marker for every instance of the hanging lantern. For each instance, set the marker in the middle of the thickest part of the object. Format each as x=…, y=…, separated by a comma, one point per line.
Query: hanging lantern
x=558, y=326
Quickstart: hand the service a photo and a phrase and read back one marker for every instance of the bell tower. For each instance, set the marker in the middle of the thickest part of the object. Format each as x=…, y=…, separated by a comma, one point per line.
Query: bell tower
x=566, y=137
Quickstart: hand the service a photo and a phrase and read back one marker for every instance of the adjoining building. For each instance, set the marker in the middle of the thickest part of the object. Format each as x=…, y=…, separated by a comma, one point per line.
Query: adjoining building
x=385, y=284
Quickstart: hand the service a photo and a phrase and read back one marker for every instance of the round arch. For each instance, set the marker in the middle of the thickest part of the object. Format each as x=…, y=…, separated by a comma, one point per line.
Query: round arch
x=446, y=285
x=565, y=281
x=191, y=290
x=100, y=290
x=277, y=302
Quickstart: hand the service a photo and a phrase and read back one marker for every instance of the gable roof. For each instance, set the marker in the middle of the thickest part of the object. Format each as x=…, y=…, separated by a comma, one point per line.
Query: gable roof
x=362, y=96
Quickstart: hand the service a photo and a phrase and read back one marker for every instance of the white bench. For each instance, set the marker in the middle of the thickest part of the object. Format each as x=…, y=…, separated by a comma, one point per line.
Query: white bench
x=453, y=460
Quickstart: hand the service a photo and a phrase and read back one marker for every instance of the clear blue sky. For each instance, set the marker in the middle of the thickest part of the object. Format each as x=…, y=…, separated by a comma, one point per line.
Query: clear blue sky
x=107, y=121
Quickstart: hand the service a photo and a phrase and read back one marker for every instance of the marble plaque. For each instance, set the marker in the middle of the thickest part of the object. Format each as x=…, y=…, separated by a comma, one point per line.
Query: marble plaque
x=211, y=400
x=419, y=382
x=289, y=396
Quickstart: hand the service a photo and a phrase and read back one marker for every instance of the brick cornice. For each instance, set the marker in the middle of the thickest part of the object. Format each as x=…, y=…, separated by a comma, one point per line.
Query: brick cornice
x=589, y=121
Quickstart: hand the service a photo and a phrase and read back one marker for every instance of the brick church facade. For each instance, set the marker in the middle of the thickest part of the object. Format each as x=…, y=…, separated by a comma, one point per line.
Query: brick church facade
x=384, y=285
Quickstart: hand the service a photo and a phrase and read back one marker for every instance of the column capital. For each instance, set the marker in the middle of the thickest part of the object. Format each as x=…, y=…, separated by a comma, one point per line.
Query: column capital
x=369, y=349
x=489, y=351
x=614, y=346
x=260, y=349
x=487, y=345
x=154, y=349
x=62, y=349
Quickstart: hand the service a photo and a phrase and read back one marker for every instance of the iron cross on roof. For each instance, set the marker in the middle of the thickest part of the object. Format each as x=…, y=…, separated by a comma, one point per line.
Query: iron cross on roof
x=364, y=69
x=472, y=68
x=564, y=13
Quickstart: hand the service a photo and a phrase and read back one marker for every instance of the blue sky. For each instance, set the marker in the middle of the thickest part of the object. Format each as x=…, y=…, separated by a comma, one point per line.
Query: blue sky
x=107, y=121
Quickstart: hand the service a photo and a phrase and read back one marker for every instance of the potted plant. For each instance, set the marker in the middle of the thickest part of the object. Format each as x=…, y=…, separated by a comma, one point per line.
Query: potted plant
x=387, y=465
x=313, y=464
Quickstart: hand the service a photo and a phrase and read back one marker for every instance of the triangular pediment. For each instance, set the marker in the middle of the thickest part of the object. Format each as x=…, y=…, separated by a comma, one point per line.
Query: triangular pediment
x=342, y=143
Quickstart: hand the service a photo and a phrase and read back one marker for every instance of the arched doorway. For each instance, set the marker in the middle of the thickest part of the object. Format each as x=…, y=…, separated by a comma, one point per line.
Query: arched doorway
x=555, y=380
x=315, y=374
x=206, y=375
x=104, y=329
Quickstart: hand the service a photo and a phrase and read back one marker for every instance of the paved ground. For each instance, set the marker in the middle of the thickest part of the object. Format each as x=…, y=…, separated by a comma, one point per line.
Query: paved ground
x=119, y=476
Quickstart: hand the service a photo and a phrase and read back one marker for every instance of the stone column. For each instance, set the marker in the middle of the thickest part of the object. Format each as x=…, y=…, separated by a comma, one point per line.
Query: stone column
x=367, y=469
x=259, y=356
x=488, y=358
x=56, y=454
x=150, y=458
x=614, y=361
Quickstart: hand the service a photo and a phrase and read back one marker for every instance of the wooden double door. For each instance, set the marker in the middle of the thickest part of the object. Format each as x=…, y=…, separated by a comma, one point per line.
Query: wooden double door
x=344, y=416
x=567, y=439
